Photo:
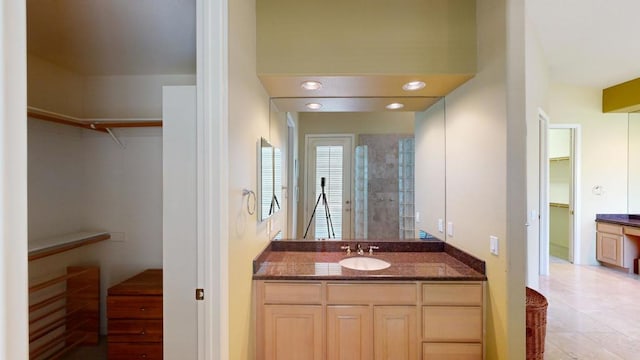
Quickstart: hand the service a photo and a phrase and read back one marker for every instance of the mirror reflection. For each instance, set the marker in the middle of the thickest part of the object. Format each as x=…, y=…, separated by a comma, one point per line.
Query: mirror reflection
x=270, y=178
x=634, y=163
x=358, y=173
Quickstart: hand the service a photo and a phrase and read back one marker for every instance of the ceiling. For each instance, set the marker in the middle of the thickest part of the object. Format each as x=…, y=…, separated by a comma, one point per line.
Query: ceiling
x=114, y=37
x=586, y=42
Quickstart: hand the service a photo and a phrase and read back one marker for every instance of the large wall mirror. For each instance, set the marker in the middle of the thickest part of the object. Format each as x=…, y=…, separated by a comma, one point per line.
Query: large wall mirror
x=365, y=174
x=270, y=178
x=634, y=164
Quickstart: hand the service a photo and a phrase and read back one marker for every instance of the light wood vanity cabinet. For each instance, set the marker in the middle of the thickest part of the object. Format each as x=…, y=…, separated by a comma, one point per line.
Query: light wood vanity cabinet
x=616, y=244
x=369, y=320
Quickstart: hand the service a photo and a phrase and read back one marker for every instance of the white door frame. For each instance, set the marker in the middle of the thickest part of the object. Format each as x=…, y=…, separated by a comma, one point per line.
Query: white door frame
x=543, y=158
x=212, y=179
x=306, y=202
x=14, y=330
x=574, y=198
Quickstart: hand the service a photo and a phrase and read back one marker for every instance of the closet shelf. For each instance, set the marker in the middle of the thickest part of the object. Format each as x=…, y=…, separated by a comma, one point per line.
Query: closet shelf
x=101, y=125
x=55, y=245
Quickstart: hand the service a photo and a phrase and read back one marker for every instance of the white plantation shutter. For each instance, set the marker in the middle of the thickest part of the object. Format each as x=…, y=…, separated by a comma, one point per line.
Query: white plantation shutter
x=329, y=165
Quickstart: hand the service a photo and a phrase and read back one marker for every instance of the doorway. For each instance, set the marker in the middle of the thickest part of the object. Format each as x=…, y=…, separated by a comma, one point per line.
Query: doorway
x=559, y=208
x=328, y=179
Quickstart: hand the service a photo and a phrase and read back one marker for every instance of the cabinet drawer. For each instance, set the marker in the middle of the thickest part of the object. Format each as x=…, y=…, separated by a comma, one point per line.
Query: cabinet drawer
x=131, y=351
x=134, y=307
x=134, y=330
x=629, y=230
x=609, y=228
x=362, y=294
x=452, y=294
x=451, y=351
x=292, y=293
x=452, y=323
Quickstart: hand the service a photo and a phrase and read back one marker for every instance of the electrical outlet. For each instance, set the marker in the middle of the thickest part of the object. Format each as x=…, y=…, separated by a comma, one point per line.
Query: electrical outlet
x=417, y=216
x=441, y=226
x=493, y=244
x=450, y=228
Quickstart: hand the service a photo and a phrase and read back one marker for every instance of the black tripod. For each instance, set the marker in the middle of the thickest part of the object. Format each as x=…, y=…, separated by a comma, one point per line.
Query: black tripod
x=327, y=214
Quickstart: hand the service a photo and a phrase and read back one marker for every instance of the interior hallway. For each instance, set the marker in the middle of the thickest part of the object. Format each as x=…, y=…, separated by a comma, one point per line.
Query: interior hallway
x=594, y=312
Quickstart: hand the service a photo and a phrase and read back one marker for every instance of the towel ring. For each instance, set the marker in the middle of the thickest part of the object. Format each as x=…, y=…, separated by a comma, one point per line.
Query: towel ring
x=250, y=193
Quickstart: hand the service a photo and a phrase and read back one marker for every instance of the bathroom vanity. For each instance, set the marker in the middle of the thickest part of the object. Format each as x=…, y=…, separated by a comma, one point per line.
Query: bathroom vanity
x=427, y=304
x=617, y=240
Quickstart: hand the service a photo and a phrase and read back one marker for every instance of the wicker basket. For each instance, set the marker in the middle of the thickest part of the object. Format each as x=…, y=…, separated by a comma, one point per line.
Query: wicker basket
x=536, y=324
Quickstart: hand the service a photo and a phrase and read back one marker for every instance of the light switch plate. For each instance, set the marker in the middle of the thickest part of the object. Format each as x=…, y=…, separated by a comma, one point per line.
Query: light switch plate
x=417, y=216
x=450, y=228
x=493, y=244
x=118, y=236
x=441, y=226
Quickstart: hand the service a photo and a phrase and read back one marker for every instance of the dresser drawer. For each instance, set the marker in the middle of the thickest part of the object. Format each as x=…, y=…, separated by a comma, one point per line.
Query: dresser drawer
x=134, y=351
x=451, y=351
x=452, y=294
x=609, y=228
x=138, y=330
x=134, y=307
x=452, y=323
x=362, y=294
x=292, y=293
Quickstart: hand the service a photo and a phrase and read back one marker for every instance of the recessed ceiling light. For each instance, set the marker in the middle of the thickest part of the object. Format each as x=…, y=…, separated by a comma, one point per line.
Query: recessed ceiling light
x=413, y=85
x=395, y=106
x=311, y=85
x=314, y=106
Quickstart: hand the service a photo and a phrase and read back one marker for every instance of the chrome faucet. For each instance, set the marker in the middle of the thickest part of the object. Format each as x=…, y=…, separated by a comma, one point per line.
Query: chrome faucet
x=359, y=249
x=346, y=247
x=373, y=247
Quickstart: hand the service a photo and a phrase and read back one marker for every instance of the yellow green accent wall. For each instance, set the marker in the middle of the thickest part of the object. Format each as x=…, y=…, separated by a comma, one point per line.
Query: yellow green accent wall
x=337, y=37
x=623, y=98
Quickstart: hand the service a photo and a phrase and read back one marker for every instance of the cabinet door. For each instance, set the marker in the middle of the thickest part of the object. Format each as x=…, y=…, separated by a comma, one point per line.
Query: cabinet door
x=394, y=333
x=609, y=248
x=349, y=333
x=293, y=332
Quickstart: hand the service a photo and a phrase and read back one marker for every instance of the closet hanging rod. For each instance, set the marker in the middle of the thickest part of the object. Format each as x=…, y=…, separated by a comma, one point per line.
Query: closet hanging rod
x=100, y=125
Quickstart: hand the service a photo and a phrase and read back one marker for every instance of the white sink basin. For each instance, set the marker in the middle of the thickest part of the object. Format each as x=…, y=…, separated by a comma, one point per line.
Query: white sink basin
x=364, y=263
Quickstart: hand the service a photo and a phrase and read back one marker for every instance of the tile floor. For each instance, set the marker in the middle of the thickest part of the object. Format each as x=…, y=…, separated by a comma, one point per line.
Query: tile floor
x=593, y=313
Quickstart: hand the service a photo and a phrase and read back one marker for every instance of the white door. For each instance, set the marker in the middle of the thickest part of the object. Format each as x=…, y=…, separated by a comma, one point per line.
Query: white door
x=179, y=225
x=328, y=181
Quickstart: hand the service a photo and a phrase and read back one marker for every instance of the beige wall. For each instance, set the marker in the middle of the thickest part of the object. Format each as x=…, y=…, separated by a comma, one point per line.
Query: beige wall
x=537, y=88
x=248, y=121
x=53, y=88
x=485, y=182
x=128, y=97
x=345, y=123
x=59, y=90
x=603, y=157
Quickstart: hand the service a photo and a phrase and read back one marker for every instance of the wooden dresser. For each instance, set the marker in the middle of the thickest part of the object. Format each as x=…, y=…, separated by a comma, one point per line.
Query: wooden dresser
x=134, y=316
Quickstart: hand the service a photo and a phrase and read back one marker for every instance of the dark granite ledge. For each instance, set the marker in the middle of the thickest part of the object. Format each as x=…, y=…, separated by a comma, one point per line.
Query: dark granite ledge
x=411, y=260
x=620, y=219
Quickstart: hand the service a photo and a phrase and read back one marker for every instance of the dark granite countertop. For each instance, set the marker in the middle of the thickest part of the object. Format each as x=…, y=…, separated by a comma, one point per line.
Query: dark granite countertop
x=621, y=219
x=410, y=260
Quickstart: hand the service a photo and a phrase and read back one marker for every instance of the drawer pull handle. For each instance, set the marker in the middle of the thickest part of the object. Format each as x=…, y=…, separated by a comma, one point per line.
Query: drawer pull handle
x=143, y=309
x=143, y=356
x=143, y=332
